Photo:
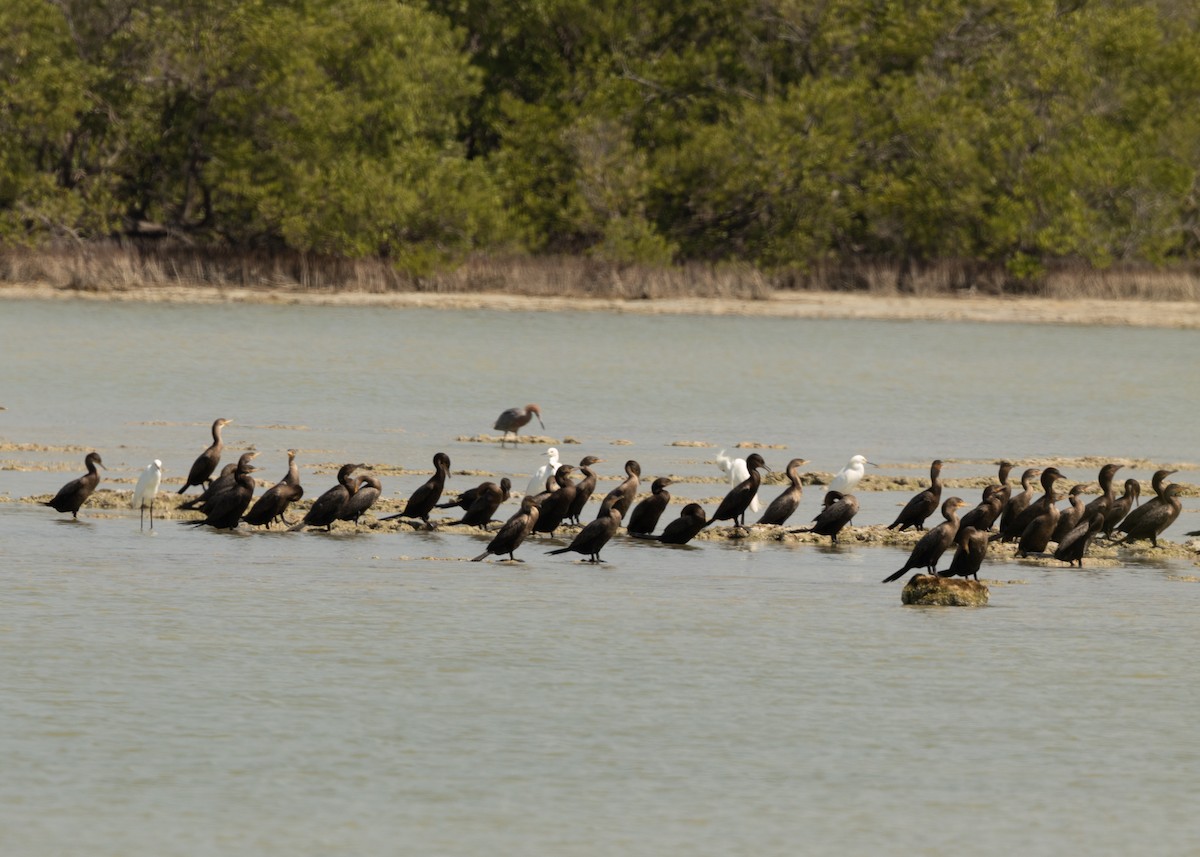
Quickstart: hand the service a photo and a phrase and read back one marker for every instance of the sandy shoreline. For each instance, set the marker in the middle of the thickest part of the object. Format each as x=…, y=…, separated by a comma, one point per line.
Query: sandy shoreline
x=810, y=305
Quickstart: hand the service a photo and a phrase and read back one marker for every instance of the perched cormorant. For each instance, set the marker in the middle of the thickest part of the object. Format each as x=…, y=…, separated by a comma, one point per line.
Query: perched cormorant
x=224, y=511
x=584, y=488
x=75, y=493
x=848, y=477
x=366, y=491
x=738, y=472
x=1072, y=515
x=923, y=504
x=146, y=489
x=1120, y=507
x=1005, y=489
x=484, y=500
x=425, y=498
x=206, y=462
x=1016, y=506
x=644, y=517
x=537, y=482
x=785, y=504
x=1107, y=496
x=1074, y=544
x=621, y=497
x=324, y=510
x=734, y=505
x=839, y=510
x=272, y=505
x=591, y=539
x=1040, y=517
x=1157, y=515
x=968, y=557
x=223, y=482
x=683, y=529
x=927, y=551
x=1158, y=483
x=514, y=419
x=509, y=537
x=985, y=514
x=555, y=505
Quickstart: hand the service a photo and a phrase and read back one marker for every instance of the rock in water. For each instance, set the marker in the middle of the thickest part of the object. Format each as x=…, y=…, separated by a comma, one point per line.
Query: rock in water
x=925, y=589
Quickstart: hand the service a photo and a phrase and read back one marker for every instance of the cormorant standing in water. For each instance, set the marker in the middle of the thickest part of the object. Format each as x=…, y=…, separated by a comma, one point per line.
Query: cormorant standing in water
x=591, y=539
x=324, y=510
x=224, y=510
x=584, y=488
x=514, y=531
x=683, y=529
x=968, y=557
x=555, y=505
x=838, y=512
x=737, y=501
x=1156, y=516
x=644, y=517
x=514, y=419
x=273, y=504
x=75, y=493
x=366, y=491
x=621, y=497
x=425, y=498
x=785, y=504
x=923, y=504
x=204, y=465
x=1074, y=544
x=927, y=552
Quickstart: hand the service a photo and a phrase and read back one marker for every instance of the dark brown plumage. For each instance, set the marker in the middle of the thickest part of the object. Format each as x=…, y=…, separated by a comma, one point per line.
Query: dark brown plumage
x=1120, y=507
x=591, y=539
x=923, y=504
x=509, y=537
x=486, y=500
x=1016, y=506
x=1071, y=515
x=783, y=506
x=514, y=419
x=927, y=551
x=839, y=510
x=584, y=488
x=734, y=505
x=1075, y=543
x=206, y=463
x=984, y=515
x=1158, y=514
x=273, y=504
x=424, y=499
x=968, y=557
x=1040, y=517
x=645, y=515
x=683, y=529
x=1107, y=495
x=1158, y=484
x=556, y=504
x=324, y=510
x=224, y=510
x=75, y=493
x=621, y=497
x=223, y=482
x=366, y=491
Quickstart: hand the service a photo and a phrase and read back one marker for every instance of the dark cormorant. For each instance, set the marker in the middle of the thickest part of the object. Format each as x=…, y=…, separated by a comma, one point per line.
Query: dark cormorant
x=75, y=493
x=923, y=504
x=1071, y=515
x=223, y=482
x=838, y=512
x=206, y=462
x=1005, y=489
x=591, y=539
x=1074, y=544
x=273, y=504
x=733, y=507
x=555, y=505
x=644, y=517
x=1107, y=496
x=968, y=557
x=985, y=514
x=509, y=537
x=1016, y=505
x=514, y=419
x=584, y=488
x=782, y=507
x=683, y=529
x=324, y=510
x=1158, y=483
x=1120, y=507
x=927, y=551
x=621, y=497
x=366, y=491
x=1157, y=515
x=1040, y=517
x=425, y=498
x=485, y=500
x=224, y=511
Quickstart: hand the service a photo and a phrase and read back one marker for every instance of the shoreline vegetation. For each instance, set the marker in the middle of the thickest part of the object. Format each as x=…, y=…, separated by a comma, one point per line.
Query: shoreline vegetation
x=944, y=291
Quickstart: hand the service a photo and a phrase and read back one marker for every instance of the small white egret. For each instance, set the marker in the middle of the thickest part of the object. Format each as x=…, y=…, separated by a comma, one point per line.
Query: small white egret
x=848, y=477
x=738, y=473
x=146, y=488
x=538, y=483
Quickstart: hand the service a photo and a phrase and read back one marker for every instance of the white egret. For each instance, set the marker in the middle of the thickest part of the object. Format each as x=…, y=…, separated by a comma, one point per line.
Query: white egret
x=146, y=489
x=538, y=483
x=738, y=473
x=848, y=477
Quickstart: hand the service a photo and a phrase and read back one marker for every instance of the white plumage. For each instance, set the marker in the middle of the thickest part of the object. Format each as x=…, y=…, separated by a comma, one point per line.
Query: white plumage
x=738, y=473
x=146, y=488
x=538, y=483
x=849, y=476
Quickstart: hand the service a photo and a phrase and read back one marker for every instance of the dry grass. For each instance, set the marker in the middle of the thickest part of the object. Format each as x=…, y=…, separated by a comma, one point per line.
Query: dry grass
x=117, y=267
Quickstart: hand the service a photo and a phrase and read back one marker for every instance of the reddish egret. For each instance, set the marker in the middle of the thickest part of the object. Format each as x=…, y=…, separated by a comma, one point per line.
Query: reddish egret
x=514, y=418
